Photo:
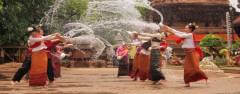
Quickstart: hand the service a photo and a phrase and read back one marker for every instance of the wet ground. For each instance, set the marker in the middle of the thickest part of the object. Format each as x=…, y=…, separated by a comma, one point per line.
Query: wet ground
x=104, y=81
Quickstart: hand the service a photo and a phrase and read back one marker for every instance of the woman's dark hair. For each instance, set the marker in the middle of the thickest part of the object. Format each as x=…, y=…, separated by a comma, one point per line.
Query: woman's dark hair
x=146, y=45
x=192, y=26
x=155, y=39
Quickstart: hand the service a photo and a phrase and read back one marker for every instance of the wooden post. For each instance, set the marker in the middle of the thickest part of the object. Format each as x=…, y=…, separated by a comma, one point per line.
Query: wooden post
x=3, y=55
x=19, y=55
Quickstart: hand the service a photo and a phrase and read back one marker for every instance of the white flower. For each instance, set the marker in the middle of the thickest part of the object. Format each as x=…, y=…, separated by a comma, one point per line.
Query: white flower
x=30, y=29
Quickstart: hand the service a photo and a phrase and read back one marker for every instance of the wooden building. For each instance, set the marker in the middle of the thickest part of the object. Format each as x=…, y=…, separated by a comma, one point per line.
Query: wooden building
x=209, y=15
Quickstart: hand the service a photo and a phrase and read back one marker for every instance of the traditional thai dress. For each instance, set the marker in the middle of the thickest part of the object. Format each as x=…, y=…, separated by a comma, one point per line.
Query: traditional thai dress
x=53, y=70
x=56, y=61
x=38, y=70
x=144, y=64
x=123, y=61
x=163, y=48
x=155, y=71
x=132, y=53
x=192, y=71
x=136, y=65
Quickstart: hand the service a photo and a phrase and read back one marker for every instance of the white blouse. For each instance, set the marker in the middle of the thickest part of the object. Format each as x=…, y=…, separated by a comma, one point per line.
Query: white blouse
x=188, y=41
x=146, y=52
x=155, y=45
x=136, y=42
x=41, y=39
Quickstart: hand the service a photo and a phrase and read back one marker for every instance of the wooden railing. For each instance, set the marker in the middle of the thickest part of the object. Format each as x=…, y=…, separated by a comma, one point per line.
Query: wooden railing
x=13, y=57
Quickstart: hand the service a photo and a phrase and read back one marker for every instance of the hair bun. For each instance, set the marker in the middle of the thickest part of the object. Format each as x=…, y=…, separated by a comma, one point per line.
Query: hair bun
x=193, y=24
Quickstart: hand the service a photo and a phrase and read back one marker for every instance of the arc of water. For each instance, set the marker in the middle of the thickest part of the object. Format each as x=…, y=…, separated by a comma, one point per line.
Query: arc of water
x=49, y=15
x=148, y=6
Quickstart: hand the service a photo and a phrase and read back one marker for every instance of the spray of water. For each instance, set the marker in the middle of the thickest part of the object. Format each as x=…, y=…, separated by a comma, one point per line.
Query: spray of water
x=103, y=20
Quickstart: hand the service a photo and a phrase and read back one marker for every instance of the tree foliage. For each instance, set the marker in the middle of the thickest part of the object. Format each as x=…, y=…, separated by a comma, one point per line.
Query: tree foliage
x=143, y=11
x=1, y=3
x=236, y=45
x=212, y=44
x=74, y=9
x=17, y=15
x=211, y=40
x=69, y=11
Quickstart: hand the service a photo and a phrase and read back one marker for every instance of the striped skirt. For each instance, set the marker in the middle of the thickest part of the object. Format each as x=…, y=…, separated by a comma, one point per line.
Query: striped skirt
x=38, y=70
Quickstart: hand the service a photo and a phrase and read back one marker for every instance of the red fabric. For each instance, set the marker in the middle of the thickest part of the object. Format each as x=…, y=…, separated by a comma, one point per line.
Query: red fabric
x=136, y=67
x=38, y=70
x=192, y=72
x=177, y=39
x=199, y=51
x=198, y=48
x=196, y=38
x=164, y=45
x=38, y=79
x=51, y=44
x=238, y=60
x=36, y=44
x=144, y=65
x=55, y=57
x=199, y=37
x=122, y=51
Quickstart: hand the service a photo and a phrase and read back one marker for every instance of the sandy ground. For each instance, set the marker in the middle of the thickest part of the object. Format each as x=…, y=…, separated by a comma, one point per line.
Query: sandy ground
x=104, y=81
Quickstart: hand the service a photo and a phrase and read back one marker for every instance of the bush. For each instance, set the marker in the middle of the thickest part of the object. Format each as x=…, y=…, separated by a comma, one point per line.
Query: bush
x=212, y=44
x=211, y=40
x=235, y=47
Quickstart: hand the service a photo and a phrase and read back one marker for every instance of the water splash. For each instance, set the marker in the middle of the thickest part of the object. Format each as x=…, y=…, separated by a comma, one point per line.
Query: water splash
x=103, y=20
x=147, y=4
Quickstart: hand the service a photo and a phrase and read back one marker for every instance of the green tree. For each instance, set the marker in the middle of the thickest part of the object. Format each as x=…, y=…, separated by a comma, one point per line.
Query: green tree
x=17, y=15
x=69, y=11
x=74, y=9
x=1, y=3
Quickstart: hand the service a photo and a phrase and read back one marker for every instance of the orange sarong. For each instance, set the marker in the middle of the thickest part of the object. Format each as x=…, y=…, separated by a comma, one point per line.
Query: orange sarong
x=38, y=71
x=144, y=66
x=192, y=72
x=141, y=67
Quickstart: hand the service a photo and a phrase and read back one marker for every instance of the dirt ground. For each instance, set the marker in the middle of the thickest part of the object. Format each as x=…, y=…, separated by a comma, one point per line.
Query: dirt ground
x=104, y=81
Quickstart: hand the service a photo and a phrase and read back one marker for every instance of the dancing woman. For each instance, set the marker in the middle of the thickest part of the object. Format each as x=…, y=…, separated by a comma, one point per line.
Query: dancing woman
x=192, y=72
x=122, y=56
x=142, y=62
x=38, y=70
x=136, y=43
x=155, y=73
